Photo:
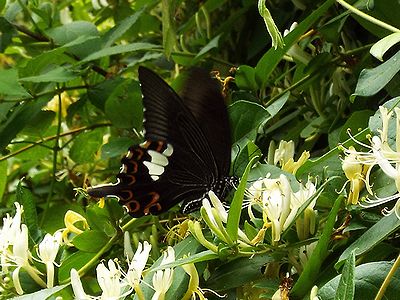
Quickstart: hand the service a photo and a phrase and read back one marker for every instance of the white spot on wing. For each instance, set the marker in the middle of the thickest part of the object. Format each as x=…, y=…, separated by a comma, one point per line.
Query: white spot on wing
x=153, y=168
x=168, y=152
x=158, y=158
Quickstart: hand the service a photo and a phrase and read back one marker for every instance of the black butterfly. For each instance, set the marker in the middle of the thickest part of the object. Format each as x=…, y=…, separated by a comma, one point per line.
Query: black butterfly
x=187, y=148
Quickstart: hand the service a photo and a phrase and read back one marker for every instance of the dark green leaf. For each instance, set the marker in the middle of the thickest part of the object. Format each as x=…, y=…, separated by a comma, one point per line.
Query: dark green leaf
x=372, y=237
x=246, y=117
x=245, y=78
x=371, y=81
x=26, y=199
x=58, y=74
x=368, y=279
x=116, y=147
x=346, y=286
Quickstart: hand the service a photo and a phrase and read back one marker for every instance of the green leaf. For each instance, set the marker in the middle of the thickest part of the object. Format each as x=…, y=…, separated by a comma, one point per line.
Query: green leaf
x=40, y=123
x=18, y=118
x=312, y=268
x=124, y=106
x=246, y=117
x=58, y=74
x=26, y=199
x=7, y=31
x=119, y=49
x=168, y=28
x=383, y=45
x=90, y=241
x=346, y=286
x=86, y=145
x=238, y=272
x=69, y=32
x=267, y=64
x=245, y=78
x=42, y=294
x=210, y=45
x=368, y=279
x=371, y=238
x=116, y=147
x=118, y=30
x=371, y=81
x=77, y=261
x=10, y=88
x=3, y=177
x=235, y=209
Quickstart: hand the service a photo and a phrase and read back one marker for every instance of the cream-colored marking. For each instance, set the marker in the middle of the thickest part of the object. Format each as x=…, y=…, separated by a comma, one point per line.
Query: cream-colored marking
x=155, y=178
x=158, y=158
x=153, y=168
x=123, y=169
x=168, y=152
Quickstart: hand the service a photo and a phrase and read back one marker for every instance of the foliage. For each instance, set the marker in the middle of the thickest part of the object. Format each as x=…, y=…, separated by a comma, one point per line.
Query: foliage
x=70, y=106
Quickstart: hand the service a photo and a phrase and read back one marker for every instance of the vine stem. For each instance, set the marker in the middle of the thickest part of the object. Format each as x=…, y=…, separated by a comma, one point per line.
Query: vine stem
x=47, y=139
x=367, y=17
x=56, y=149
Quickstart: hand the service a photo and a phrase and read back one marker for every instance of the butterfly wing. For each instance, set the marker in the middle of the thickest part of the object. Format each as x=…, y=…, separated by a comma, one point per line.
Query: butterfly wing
x=177, y=162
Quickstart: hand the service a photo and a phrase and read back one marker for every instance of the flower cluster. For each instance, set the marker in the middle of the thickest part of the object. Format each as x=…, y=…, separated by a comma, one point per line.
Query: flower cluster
x=15, y=254
x=280, y=206
x=357, y=165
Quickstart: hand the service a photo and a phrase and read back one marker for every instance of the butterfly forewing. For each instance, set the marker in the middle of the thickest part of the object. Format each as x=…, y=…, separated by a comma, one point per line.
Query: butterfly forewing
x=186, y=152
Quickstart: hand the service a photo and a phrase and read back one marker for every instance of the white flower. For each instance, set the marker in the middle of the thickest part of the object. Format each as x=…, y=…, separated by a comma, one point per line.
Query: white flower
x=21, y=258
x=48, y=249
x=136, y=266
x=109, y=280
x=77, y=287
x=381, y=153
x=273, y=197
x=162, y=279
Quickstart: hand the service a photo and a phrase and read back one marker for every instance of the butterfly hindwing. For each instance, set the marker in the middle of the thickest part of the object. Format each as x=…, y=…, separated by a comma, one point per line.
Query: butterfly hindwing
x=182, y=157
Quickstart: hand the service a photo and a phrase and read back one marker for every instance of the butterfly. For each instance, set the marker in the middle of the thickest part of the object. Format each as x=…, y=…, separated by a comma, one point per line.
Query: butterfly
x=186, y=152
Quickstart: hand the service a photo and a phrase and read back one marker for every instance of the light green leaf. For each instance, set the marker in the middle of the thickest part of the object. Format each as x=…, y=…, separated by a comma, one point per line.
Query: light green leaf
x=90, y=241
x=276, y=37
x=211, y=45
x=42, y=294
x=383, y=45
x=120, y=49
x=58, y=74
x=76, y=260
x=168, y=30
x=10, y=88
x=72, y=31
x=86, y=145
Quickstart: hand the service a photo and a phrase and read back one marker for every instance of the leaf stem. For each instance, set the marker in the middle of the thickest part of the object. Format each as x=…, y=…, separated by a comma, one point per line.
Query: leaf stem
x=367, y=17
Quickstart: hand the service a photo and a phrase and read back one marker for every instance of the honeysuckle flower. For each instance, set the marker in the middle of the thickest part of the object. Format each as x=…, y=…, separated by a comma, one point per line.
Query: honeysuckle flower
x=355, y=172
x=128, y=251
x=283, y=156
x=77, y=287
x=193, y=291
x=305, y=223
x=273, y=197
x=381, y=153
x=21, y=257
x=8, y=234
x=109, y=280
x=295, y=51
x=47, y=252
x=136, y=266
x=70, y=220
x=162, y=279
x=216, y=216
x=305, y=252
